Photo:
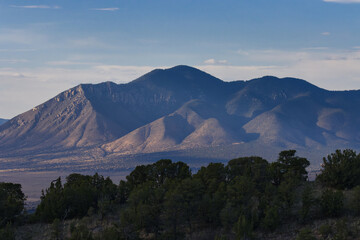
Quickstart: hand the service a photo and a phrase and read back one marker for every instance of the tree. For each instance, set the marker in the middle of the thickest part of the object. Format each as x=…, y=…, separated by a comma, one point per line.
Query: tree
x=272, y=219
x=173, y=215
x=288, y=167
x=145, y=207
x=11, y=202
x=213, y=178
x=341, y=170
x=158, y=172
x=52, y=202
x=76, y=197
x=255, y=168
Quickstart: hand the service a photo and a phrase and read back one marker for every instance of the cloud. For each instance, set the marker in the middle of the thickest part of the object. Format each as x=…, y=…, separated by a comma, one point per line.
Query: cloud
x=105, y=9
x=316, y=48
x=69, y=63
x=343, y=1
x=17, y=50
x=330, y=69
x=13, y=61
x=23, y=88
x=325, y=33
x=21, y=36
x=212, y=61
x=36, y=6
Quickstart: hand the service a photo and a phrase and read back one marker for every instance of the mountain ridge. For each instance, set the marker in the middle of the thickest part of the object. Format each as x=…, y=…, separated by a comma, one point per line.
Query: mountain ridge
x=182, y=109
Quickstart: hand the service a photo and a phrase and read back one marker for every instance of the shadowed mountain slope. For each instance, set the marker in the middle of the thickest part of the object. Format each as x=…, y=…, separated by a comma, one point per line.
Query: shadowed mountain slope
x=184, y=109
x=2, y=121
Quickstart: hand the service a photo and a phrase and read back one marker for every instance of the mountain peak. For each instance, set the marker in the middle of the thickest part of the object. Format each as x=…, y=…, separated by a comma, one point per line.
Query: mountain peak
x=180, y=74
x=290, y=84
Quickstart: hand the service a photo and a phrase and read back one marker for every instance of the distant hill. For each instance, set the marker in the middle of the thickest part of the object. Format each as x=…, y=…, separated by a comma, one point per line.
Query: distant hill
x=184, y=114
x=2, y=121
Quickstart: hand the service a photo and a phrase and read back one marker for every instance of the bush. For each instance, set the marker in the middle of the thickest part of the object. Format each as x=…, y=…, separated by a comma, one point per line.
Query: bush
x=81, y=232
x=271, y=220
x=332, y=203
x=244, y=228
x=307, y=201
x=341, y=170
x=325, y=230
x=7, y=233
x=356, y=200
x=305, y=234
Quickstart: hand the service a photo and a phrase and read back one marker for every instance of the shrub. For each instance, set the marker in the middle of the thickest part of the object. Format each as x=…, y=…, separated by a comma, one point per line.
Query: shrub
x=341, y=170
x=332, y=203
x=305, y=234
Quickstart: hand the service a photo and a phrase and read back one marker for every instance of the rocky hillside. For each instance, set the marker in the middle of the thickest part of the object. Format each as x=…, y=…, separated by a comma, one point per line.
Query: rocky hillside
x=183, y=109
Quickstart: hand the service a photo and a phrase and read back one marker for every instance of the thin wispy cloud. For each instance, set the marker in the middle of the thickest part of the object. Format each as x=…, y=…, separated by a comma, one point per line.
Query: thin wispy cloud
x=69, y=63
x=13, y=61
x=212, y=61
x=316, y=48
x=343, y=1
x=106, y=9
x=325, y=33
x=36, y=6
x=17, y=50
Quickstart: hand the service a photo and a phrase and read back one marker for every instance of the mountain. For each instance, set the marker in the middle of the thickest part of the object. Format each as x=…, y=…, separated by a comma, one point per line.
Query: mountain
x=180, y=113
x=2, y=121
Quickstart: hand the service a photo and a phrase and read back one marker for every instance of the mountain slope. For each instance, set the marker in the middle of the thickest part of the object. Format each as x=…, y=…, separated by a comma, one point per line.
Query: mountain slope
x=182, y=110
x=2, y=121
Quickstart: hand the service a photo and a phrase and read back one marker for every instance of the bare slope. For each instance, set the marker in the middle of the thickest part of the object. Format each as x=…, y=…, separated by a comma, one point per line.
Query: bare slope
x=183, y=109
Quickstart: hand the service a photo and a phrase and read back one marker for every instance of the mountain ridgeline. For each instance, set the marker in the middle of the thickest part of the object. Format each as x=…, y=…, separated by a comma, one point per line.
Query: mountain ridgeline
x=185, y=112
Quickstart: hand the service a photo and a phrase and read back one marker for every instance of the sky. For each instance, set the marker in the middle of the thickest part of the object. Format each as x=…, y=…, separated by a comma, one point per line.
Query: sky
x=48, y=46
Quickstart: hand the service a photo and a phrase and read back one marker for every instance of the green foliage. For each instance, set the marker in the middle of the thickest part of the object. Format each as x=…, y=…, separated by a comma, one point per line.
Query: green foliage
x=158, y=172
x=110, y=233
x=272, y=219
x=76, y=197
x=173, y=215
x=307, y=201
x=342, y=231
x=164, y=200
x=332, y=203
x=144, y=207
x=221, y=237
x=7, y=233
x=56, y=229
x=341, y=170
x=81, y=232
x=244, y=228
x=355, y=203
x=11, y=202
x=289, y=168
x=255, y=168
x=305, y=234
x=325, y=230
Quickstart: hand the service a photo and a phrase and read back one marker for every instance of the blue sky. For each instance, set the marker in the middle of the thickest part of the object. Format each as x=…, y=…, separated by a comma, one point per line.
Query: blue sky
x=47, y=46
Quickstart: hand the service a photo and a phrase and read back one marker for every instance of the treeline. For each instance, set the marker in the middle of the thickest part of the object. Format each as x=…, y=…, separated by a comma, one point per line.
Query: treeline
x=165, y=200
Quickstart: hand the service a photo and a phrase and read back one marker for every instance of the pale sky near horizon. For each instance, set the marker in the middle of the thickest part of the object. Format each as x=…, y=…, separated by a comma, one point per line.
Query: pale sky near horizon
x=48, y=46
